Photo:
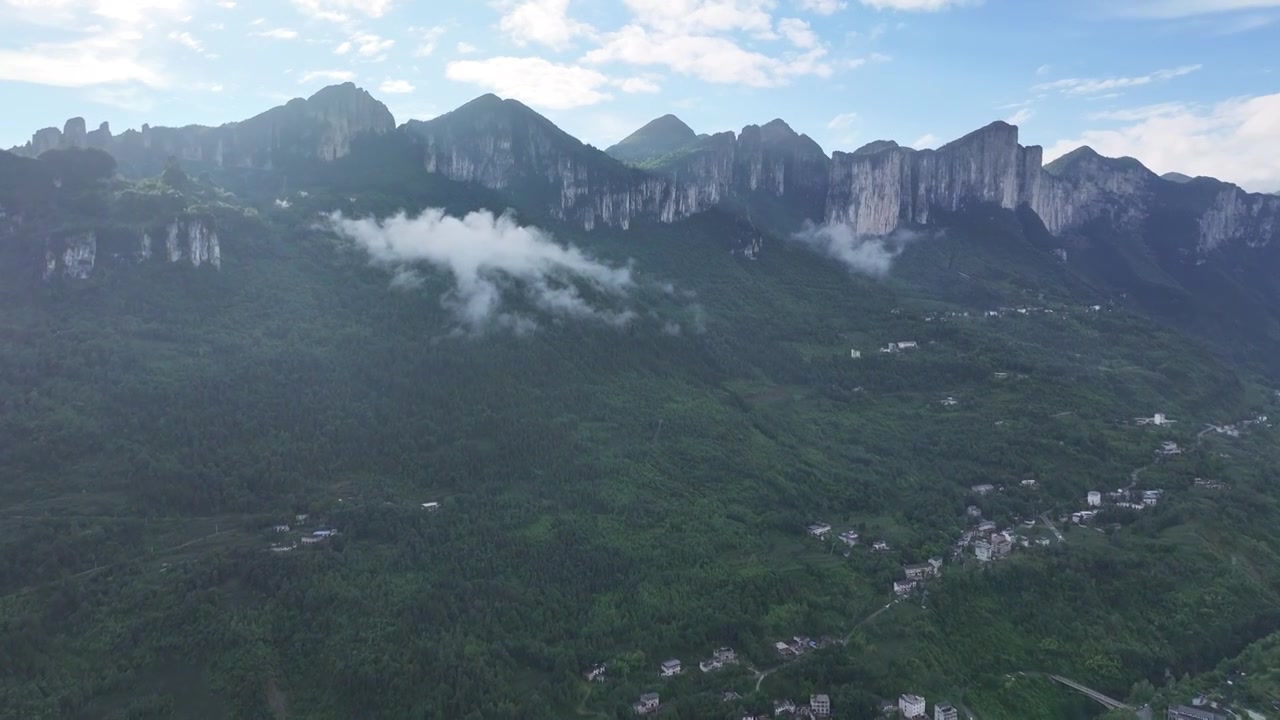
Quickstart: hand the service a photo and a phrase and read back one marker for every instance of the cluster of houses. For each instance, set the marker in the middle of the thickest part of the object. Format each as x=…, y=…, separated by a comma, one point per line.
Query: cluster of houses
x=798, y=645
x=916, y=576
x=314, y=538
x=1235, y=429
x=1121, y=497
x=915, y=706
x=850, y=538
x=819, y=707
x=900, y=346
x=719, y=658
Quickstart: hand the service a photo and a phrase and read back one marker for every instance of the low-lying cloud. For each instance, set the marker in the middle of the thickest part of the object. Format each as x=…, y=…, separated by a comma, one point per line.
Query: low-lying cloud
x=865, y=254
x=493, y=260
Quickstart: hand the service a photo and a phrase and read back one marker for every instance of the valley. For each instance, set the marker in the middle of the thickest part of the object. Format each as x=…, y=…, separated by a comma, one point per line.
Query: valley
x=625, y=476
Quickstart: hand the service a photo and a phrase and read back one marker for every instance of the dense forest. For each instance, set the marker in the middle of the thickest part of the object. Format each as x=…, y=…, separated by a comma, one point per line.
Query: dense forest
x=617, y=494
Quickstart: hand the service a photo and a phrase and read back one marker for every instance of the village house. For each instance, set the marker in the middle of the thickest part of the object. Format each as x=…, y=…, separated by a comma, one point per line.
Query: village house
x=819, y=530
x=1083, y=517
x=281, y=528
x=282, y=548
x=855, y=354
x=324, y=533
x=729, y=696
x=312, y=540
x=945, y=712
x=595, y=673
x=648, y=703
x=1094, y=498
x=1209, y=484
x=849, y=537
x=920, y=571
x=950, y=401
x=670, y=667
x=911, y=706
x=725, y=655
x=973, y=511
x=1029, y=483
x=982, y=489
x=1183, y=712
x=890, y=348
x=1001, y=544
x=300, y=517
x=903, y=587
x=986, y=526
x=1043, y=542
x=783, y=707
x=783, y=649
x=1168, y=447
x=821, y=705
x=1151, y=497
x=908, y=345
x=709, y=665
x=936, y=564
x=982, y=551
x=1001, y=375
x=880, y=546
x=430, y=506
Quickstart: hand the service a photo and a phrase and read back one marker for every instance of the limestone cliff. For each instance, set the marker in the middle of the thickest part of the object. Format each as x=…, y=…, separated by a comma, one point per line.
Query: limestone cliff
x=321, y=127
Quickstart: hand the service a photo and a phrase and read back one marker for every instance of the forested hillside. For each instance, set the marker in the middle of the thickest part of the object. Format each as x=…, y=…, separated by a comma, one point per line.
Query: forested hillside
x=624, y=470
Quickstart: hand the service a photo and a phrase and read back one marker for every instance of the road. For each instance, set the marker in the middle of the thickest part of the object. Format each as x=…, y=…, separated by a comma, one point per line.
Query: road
x=1110, y=702
x=1045, y=517
x=761, y=675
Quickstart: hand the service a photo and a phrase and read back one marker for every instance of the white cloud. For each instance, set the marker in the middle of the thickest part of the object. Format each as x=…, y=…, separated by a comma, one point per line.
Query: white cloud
x=842, y=121
x=337, y=76
x=533, y=80
x=342, y=10
x=186, y=39
x=1021, y=116
x=925, y=141
x=542, y=22
x=1043, y=70
x=366, y=45
x=1170, y=9
x=278, y=34
x=700, y=16
x=1237, y=140
x=227, y=4
x=636, y=85
x=798, y=33
x=918, y=5
x=823, y=7
x=395, y=87
x=101, y=59
x=710, y=58
x=429, y=37
x=863, y=254
x=1094, y=86
x=493, y=260
x=466, y=48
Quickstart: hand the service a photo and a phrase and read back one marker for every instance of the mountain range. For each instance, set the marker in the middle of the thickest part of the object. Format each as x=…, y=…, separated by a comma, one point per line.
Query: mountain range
x=1185, y=249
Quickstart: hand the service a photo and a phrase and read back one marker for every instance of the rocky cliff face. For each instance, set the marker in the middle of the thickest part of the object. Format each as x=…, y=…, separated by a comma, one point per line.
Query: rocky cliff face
x=321, y=127
x=76, y=256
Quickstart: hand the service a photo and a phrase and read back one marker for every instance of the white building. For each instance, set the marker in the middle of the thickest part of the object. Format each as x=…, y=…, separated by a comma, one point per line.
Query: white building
x=911, y=706
x=1169, y=447
x=1029, y=483
x=648, y=703
x=903, y=587
x=908, y=345
x=819, y=530
x=821, y=705
x=880, y=546
x=1094, y=498
x=281, y=528
x=855, y=354
x=595, y=673
x=982, y=489
x=982, y=550
x=671, y=667
x=849, y=537
x=945, y=712
x=430, y=506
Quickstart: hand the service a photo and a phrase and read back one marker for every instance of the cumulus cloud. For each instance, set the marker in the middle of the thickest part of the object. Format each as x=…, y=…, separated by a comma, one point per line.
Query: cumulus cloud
x=429, y=37
x=492, y=261
x=1170, y=9
x=337, y=76
x=343, y=10
x=823, y=7
x=366, y=45
x=842, y=121
x=542, y=22
x=863, y=254
x=1021, y=116
x=1237, y=140
x=918, y=5
x=536, y=81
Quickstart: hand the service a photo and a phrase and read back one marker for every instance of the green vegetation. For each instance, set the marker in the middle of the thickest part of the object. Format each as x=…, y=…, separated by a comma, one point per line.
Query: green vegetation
x=620, y=495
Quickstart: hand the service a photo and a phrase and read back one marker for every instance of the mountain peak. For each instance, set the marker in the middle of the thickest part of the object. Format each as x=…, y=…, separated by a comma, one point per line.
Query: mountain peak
x=1176, y=177
x=1084, y=157
x=875, y=146
x=655, y=139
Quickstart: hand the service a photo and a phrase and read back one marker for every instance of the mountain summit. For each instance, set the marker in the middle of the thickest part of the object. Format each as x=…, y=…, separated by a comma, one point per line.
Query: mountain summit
x=657, y=138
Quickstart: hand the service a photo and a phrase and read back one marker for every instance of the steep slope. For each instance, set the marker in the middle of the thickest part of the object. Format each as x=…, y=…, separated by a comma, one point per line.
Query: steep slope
x=654, y=140
x=321, y=127
x=1176, y=177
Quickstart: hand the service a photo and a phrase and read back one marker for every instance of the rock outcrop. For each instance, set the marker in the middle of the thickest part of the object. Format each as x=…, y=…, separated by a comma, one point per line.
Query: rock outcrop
x=73, y=257
x=321, y=127
x=193, y=241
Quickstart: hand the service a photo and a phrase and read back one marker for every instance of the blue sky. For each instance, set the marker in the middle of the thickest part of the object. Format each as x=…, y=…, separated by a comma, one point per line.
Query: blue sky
x=1187, y=85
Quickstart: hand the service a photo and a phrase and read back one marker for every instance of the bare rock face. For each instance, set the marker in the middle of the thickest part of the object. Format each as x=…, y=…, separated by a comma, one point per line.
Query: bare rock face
x=73, y=257
x=192, y=241
x=1237, y=217
x=321, y=127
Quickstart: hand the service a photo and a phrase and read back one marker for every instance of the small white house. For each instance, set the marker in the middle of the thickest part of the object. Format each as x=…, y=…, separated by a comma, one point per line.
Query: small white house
x=430, y=506
x=982, y=489
x=908, y=345
x=595, y=673
x=281, y=528
x=1029, y=483
x=648, y=703
x=1094, y=498
x=855, y=354
x=670, y=668
x=819, y=530
x=880, y=546
x=849, y=537
x=300, y=517
x=911, y=706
